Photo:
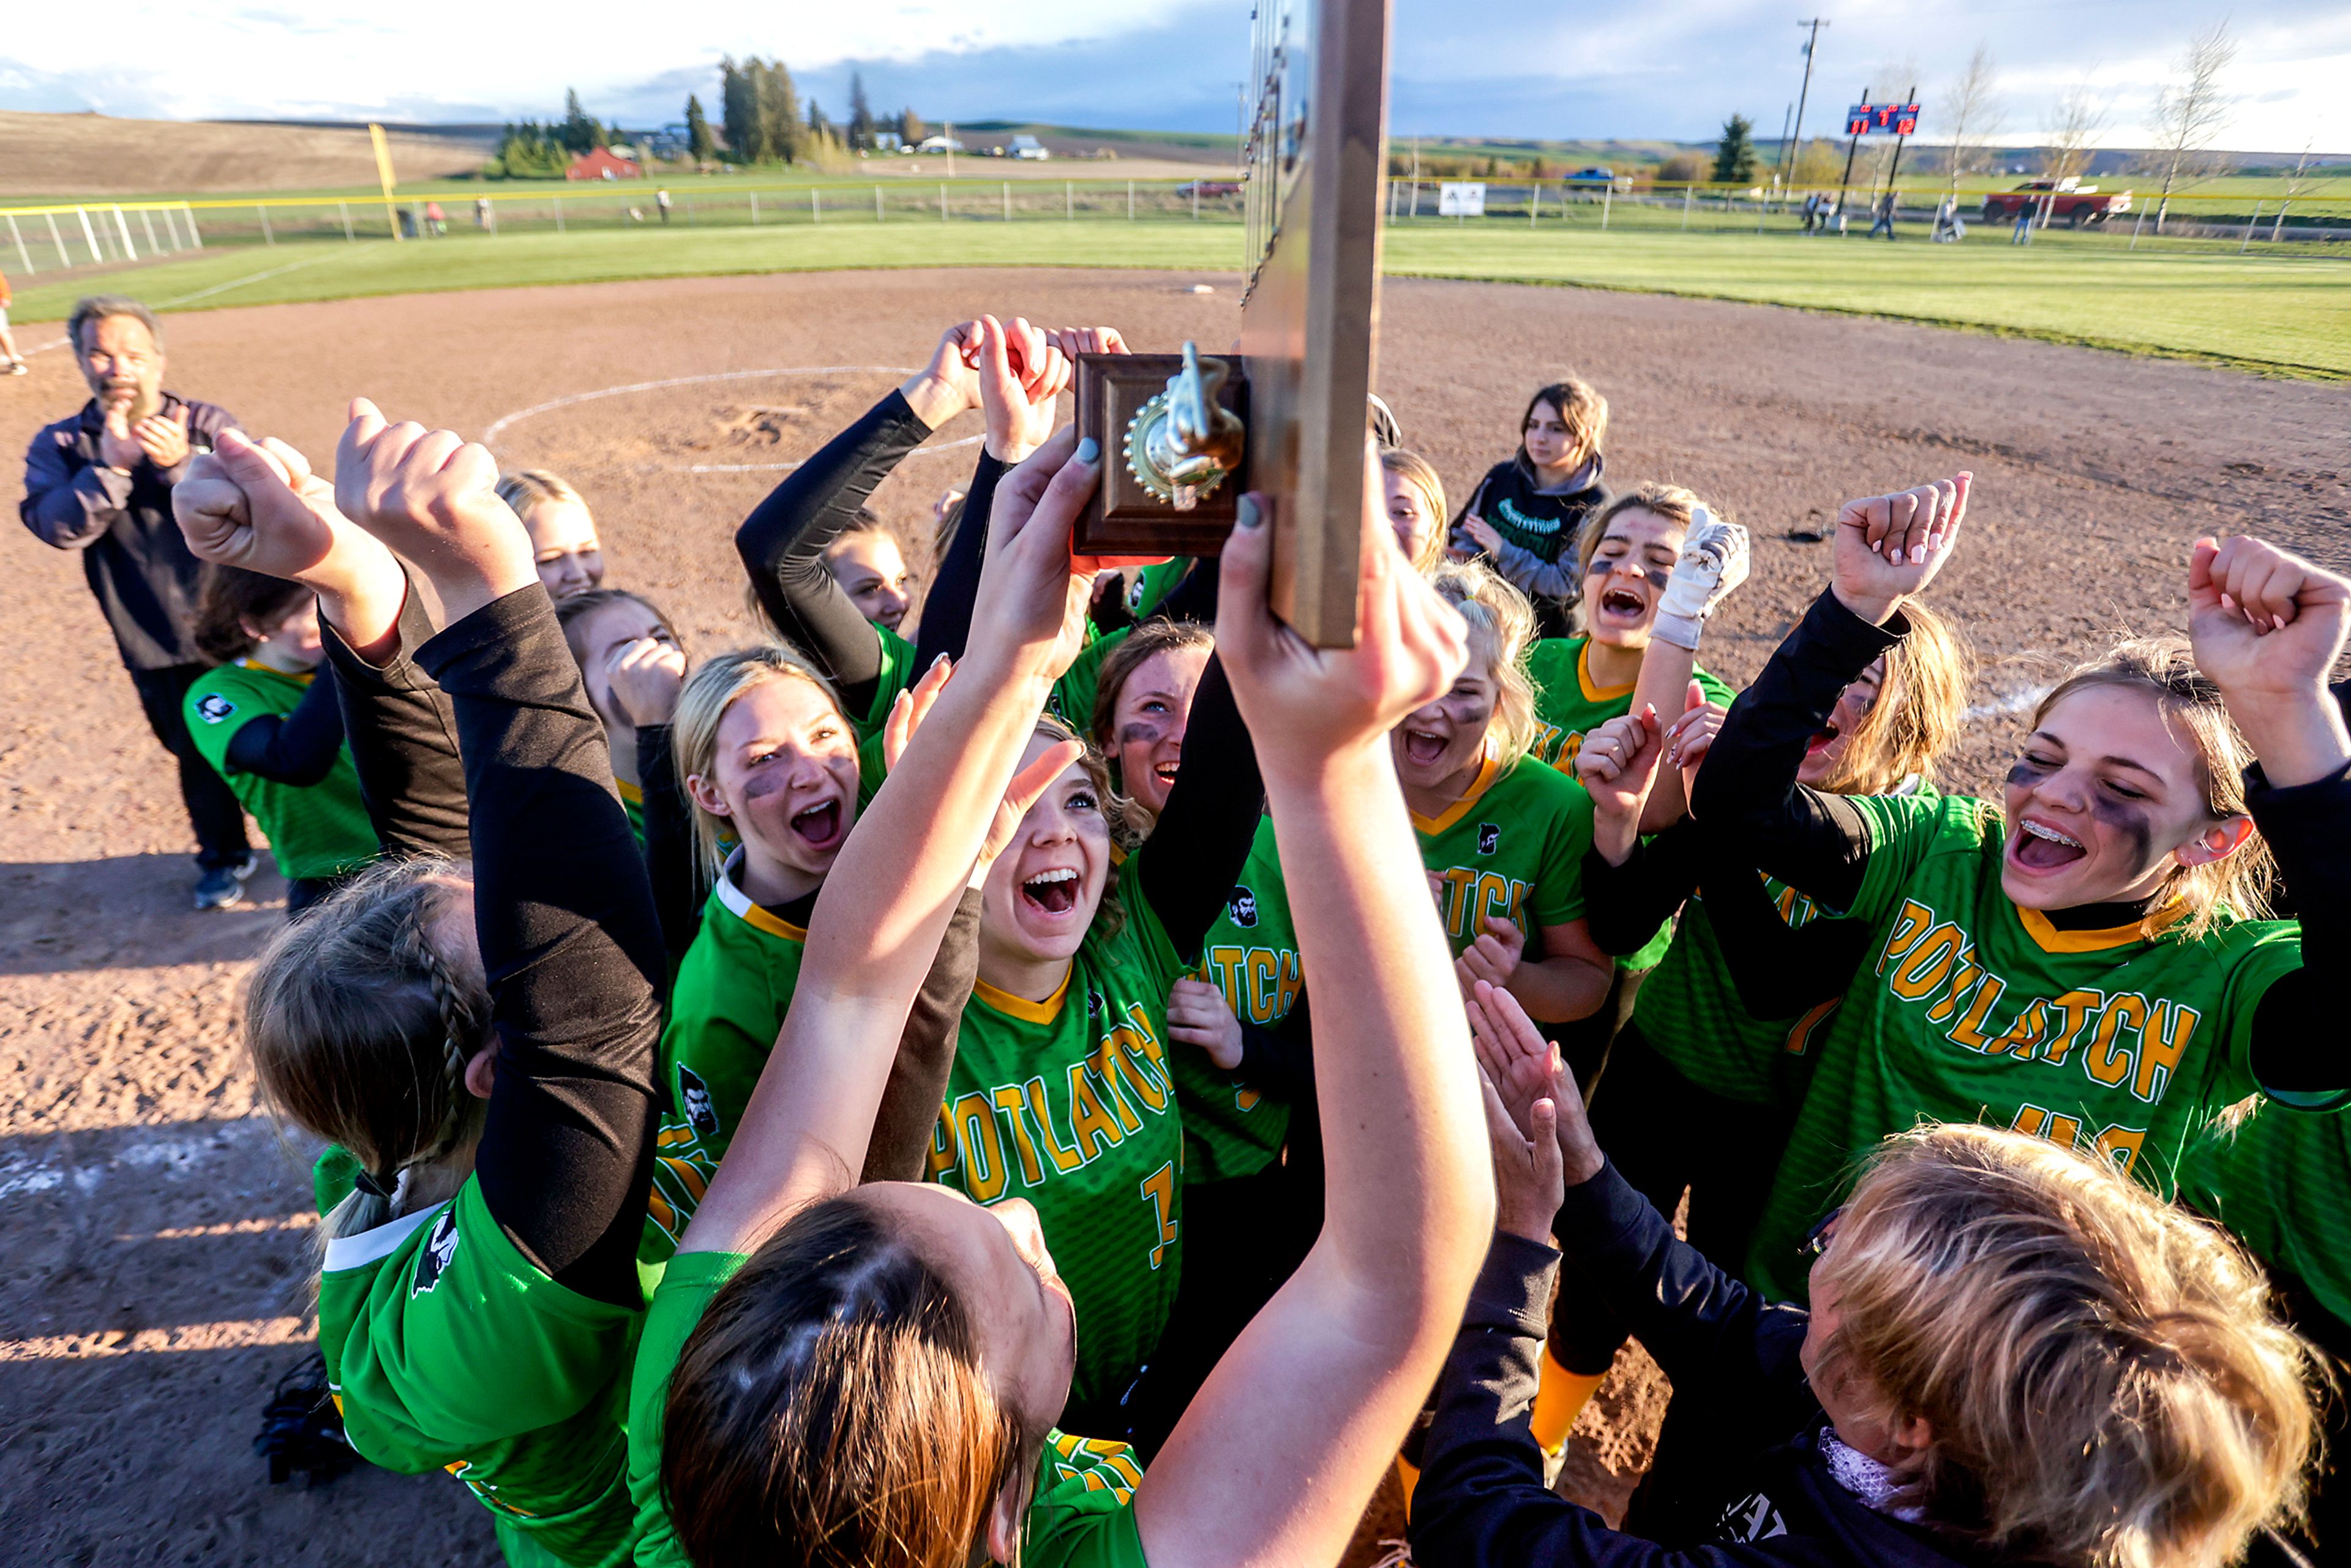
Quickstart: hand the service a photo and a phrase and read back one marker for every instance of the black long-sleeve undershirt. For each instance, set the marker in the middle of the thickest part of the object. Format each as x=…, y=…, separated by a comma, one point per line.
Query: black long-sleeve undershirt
x=671, y=860
x=570, y=947
x=1819, y=843
x=297, y=747
x=404, y=741
x=947, y=604
x=783, y=542
x=1195, y=853
x=903, y=1121
x=1779, y=970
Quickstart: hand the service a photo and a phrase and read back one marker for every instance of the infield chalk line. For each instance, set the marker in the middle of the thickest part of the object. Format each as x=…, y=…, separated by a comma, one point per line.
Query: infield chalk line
x=241, y=282
x=504, y=420
x=234, y=1334
x=2000, y=707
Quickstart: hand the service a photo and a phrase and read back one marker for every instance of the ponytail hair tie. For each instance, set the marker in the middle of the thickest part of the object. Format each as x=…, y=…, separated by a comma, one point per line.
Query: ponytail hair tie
x=375, y=1186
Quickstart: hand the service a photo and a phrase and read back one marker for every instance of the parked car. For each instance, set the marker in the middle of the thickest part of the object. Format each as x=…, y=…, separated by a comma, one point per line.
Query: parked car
x=1205, y=188
x=1595, y=175
x=2070, y=201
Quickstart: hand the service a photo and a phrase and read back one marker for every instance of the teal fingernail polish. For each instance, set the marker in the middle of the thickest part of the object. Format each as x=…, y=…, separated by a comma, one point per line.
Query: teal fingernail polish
x=1089, y=449
x=1246, y=514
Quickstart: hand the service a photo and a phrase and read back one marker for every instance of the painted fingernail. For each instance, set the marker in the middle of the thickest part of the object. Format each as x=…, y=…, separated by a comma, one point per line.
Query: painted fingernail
x=1245, y=515
x=1089, y=449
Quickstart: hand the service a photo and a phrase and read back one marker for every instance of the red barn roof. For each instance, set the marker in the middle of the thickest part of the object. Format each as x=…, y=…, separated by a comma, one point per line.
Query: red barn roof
x=601, y=165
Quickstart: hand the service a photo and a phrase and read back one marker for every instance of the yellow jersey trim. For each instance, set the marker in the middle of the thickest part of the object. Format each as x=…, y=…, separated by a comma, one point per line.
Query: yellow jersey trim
x=2049, y=939
x=1592, y=694
x=738, y=902
x=1488, y=773
x=634, y=794
x=304, y=679
x=1021, y=1008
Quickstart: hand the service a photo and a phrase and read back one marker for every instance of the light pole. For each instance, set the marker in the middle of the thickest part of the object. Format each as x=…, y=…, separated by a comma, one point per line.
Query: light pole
x=1811, y=44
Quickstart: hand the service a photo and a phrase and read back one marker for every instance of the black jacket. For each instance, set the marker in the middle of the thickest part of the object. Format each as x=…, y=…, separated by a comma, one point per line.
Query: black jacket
x=1768, y=1500
x=145, y=578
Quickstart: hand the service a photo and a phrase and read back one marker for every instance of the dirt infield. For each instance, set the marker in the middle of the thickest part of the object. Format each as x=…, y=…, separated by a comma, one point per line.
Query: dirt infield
x=154, y=1281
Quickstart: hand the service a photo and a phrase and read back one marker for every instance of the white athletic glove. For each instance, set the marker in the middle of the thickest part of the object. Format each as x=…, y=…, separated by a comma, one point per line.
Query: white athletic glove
x=1713, y=562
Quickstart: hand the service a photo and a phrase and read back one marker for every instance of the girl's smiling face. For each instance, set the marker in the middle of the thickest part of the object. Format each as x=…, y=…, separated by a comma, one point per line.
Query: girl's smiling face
x=565, y=547
x=1439, y=742
x=1409, y=514
x=1044, y=891
x=785, y=776
x=1148, y=720
x=1628, y=575
x=2105, y=799
x=872, y=571
x=1853, y=705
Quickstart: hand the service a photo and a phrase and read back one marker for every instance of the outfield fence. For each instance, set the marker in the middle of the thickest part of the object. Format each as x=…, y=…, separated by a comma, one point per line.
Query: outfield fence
x=40, y=239
x=76, y=236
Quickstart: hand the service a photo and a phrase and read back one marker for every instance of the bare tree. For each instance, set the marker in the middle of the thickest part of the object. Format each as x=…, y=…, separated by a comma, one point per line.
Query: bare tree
x=1973, y=113
x=2300, y=180
x=2079, y=116
x=2191, y=113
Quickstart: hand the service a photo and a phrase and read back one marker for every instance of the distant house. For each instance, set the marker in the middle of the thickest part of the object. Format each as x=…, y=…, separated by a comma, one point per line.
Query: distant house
x=602, y=164
x=1029, y=147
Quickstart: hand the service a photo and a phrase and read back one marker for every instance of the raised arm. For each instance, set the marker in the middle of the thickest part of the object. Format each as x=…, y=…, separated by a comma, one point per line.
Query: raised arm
x=783, y=541
x=1888, y=548
x=1284, y=1445
x=1194, y=855
x=2268, y=628
x=807, y=1128
x=570, y=944
x=297, y=747
x=1713, y=563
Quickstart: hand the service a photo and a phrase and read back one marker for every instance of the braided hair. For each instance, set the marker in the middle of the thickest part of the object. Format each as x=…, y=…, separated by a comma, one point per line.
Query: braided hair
x=362, y=1026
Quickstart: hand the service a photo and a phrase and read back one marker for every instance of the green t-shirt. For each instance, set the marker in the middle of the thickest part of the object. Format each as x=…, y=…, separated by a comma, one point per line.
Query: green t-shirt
x=733, y=987
x=1081, y=1515
x=446, y=1348
x=314, y=830
x=1690, y=1014
x=1067, y=1102
x=1568, y=705
x=1511, y=847
x=1251, y=954
x=1071, y=700
x=1968, y=1009
x=2282, y=1183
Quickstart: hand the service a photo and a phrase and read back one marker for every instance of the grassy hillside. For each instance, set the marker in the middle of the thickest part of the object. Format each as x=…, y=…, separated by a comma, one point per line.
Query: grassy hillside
x=81, y=156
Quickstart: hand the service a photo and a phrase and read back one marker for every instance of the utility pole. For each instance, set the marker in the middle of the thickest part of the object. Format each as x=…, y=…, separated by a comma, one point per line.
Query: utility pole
x=950, y=142
x=1812, y=44
x=1778, y=183
x=1893, y=166
x=1850, y=149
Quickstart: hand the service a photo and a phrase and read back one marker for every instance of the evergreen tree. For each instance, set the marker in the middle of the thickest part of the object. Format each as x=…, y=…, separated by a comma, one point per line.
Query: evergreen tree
x=580, y=131
x=738, y=108
x=910, y=126
x=699, y=143
x=1734, y=156
x=861, y=115
x=779, y=112
x=819, y=127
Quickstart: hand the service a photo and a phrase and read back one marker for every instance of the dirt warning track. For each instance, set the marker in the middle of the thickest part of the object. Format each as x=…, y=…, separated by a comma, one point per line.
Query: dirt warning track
x=155, y=1280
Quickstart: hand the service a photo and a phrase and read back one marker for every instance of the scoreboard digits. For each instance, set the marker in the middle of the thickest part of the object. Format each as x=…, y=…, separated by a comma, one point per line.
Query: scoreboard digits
x=1882, y=120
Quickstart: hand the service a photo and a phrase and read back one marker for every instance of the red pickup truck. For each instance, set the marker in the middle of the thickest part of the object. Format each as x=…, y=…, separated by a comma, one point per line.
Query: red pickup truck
x=2070, y=201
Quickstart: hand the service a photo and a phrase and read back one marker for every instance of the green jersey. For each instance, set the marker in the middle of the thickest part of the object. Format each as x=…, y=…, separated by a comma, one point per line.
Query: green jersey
x=1568, y=705
x=1067, y=1102
x=1152, y=584
x=632, y=805
x=2282, y=1183
x=898, y=672
x=314, y=830
x=1251, y=955
x=1969, y=1008
x=1511, y=848
x=1071, y=700
x=1690, y=1014
x=446, y=1348
x=1081, y=1515
x=733, y=987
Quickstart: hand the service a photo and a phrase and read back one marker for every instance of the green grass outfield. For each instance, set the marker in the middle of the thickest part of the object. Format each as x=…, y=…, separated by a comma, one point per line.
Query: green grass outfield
x=2280, y=314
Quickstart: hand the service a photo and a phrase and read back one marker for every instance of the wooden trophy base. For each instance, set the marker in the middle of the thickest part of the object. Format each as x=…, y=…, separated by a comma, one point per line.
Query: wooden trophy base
x=1123, y=519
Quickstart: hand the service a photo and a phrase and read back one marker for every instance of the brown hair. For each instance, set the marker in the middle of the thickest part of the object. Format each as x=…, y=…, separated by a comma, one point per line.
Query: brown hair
x=1501, y=628
x=1155, y=637
x=1581, y=408
x=92, y=308
x=360, y=1028
x=526, y=489
x=1921, y=705
x=572, y=613
x=2104, y=1378
x=708, y=693
x=230, y=597
x=831, y=1408
x=2165, y=668
x=1421, y=475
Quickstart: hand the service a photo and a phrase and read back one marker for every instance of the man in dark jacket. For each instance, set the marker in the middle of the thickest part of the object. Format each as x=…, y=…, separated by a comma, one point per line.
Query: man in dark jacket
x=100, y=482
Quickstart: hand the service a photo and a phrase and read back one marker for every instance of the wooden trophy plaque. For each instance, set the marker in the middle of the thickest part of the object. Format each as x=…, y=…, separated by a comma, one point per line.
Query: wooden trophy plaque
x=1315, y=160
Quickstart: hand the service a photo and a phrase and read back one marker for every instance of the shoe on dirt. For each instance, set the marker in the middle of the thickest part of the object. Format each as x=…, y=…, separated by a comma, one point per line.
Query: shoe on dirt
x=223, y=887
x=19, y=368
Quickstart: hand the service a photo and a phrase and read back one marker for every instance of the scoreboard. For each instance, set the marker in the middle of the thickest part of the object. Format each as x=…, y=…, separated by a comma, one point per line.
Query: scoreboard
x=1882, y=120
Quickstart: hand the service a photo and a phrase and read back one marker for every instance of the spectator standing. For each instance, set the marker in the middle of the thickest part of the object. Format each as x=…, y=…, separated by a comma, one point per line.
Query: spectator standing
x=436, y=222
x=660, y=200
x=16, y=366
x=1882, y=223
x=100, y=481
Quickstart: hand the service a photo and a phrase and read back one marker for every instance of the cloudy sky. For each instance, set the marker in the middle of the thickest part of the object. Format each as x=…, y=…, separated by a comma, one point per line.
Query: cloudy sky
x=1502, y=67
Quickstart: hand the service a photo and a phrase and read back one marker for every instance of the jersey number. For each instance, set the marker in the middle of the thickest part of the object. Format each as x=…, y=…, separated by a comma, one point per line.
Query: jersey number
x=1159, y=1190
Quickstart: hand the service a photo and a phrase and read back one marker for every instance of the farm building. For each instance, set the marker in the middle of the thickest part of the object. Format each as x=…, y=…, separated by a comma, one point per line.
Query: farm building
x=602, y=164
